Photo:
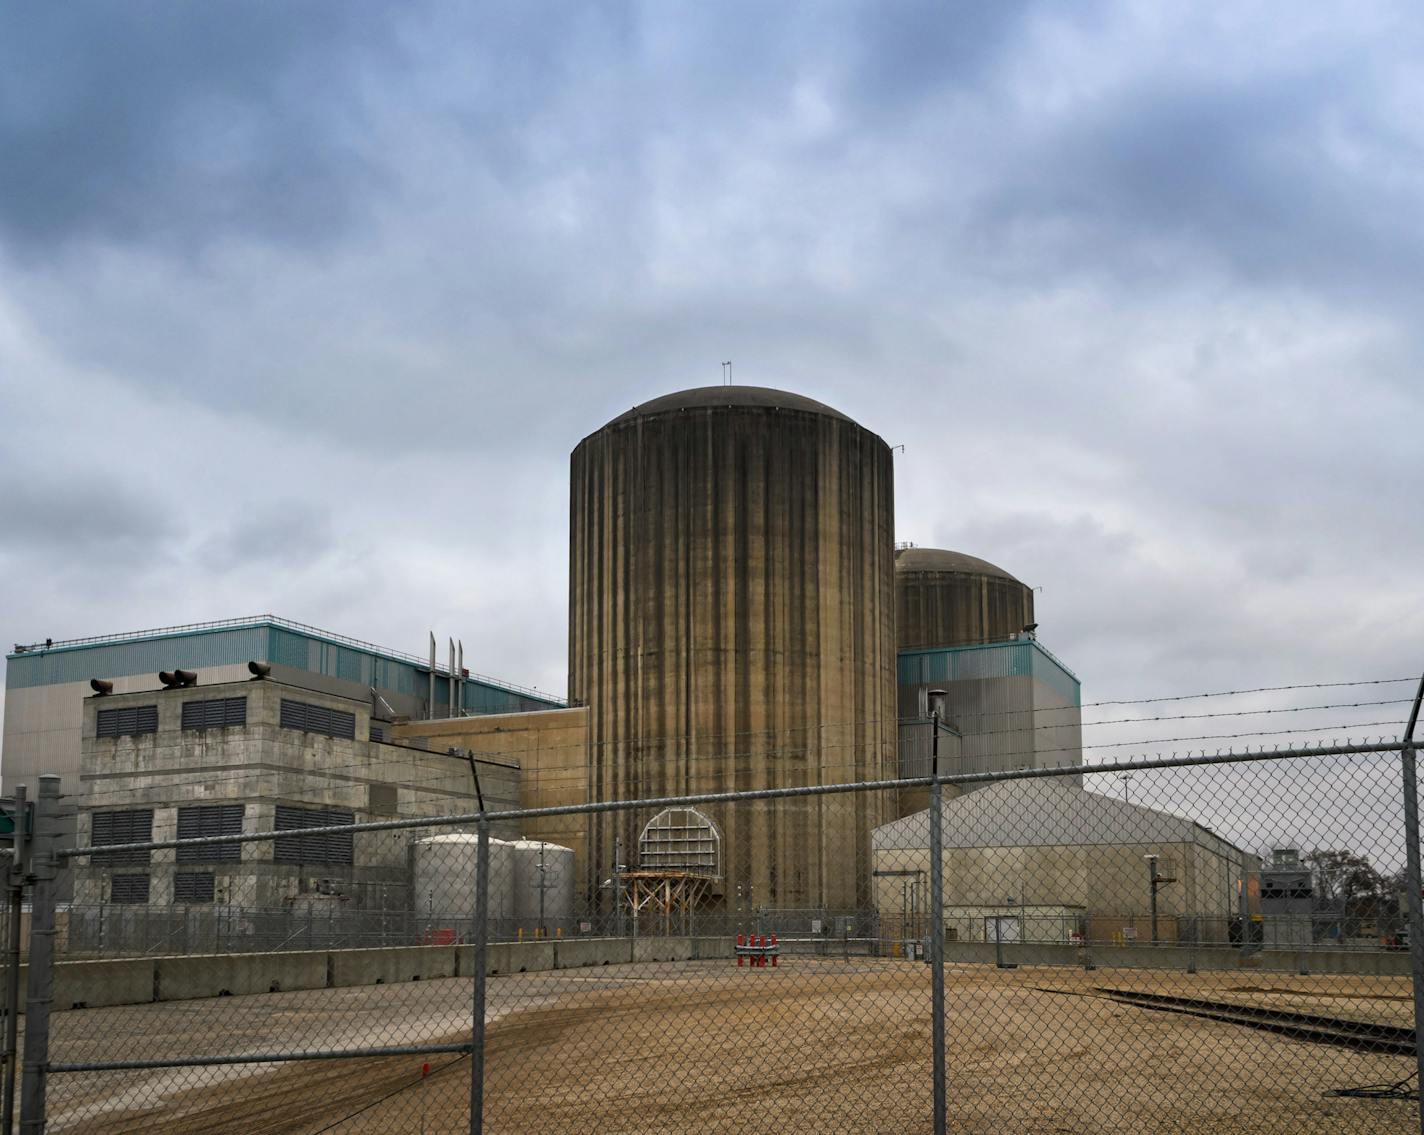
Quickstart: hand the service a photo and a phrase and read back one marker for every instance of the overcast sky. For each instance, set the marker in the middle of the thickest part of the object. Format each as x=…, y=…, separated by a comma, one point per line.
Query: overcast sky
x=303, y=306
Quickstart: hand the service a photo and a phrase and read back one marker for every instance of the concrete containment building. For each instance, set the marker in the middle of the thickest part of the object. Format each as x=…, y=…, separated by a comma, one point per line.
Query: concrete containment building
x=731, y=603
x=945, y=598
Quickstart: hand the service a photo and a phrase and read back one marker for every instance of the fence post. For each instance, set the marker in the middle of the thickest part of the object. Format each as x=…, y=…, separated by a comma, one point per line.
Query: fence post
x=618, y=931
x=936, y=912
x=1413, y=884
x=18, y=870
x=39, y=993
x=477, y=1016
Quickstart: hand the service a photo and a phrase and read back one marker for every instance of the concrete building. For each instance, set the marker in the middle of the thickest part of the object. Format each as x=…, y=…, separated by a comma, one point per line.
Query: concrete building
x=945, y=598
x=731, y=626
x=46, y=682
x=1043, y=860
x=257, y=755
x=551, y=749
x=1287, y=901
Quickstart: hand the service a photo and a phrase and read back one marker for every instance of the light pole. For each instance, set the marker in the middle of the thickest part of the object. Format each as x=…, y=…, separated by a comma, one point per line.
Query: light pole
x=1153, y=882
x=543, y=930
x=1126, y=779
x=618, y=886
x=936, y=841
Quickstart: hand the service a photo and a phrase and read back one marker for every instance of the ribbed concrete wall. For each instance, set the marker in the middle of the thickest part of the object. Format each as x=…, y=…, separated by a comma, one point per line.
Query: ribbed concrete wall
x=732, y=627
x=946, y=598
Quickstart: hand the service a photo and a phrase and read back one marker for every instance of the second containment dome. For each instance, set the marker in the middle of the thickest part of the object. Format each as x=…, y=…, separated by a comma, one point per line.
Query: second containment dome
x=945, y=598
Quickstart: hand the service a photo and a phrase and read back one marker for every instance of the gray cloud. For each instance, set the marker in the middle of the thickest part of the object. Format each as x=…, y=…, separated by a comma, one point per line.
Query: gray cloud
x=1134, y=290
x=1276, y=178
x=281, y=534
x=79, y=520
x=148, y=124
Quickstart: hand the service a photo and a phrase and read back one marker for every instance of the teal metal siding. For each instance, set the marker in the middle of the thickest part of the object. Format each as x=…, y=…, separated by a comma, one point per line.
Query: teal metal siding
x=348, y=664
x=994, y=660
x=482, y=698
x=288, y=649
x=1054, y=674
x=263, y=640
x=189, y=651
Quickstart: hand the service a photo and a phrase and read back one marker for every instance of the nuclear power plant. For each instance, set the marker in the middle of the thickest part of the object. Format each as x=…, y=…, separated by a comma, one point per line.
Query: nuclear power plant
x=740, y=618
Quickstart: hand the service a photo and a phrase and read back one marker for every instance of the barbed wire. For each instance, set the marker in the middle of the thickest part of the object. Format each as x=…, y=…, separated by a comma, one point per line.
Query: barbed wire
x=1254, y=690
x=363, y=765
x=1232, y=713
x=588, y=778
x=1298, y=751
x=450, y=777
x=1231, y=736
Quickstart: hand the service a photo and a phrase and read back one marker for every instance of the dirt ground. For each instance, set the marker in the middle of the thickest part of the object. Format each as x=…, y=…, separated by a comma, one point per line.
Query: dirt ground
x=816, y=1045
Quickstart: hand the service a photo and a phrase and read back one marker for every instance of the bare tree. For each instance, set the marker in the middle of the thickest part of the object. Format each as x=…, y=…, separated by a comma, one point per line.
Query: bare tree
x=1349, y=892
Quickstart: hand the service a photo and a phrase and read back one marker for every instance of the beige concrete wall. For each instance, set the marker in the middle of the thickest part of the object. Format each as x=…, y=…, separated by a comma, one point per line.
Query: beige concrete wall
x=1042, y=923
x=44, y=726
x=731, y=627
x=261, y=765
x=551, y=750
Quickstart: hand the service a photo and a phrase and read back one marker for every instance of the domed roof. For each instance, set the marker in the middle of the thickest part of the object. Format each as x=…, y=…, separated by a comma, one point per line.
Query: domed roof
x=942, y=559
x=711, y=397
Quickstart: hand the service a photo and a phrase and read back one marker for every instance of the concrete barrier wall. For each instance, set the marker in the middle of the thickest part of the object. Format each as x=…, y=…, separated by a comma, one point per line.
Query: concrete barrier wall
x=662, y=949
x=573, y=953
x=91, y=985
x=137, y=981
x=391, y=964
x=713, y=949
x=222, y=975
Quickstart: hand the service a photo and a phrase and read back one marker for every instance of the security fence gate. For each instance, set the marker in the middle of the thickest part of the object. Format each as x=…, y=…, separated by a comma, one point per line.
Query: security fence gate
x=1034, y=952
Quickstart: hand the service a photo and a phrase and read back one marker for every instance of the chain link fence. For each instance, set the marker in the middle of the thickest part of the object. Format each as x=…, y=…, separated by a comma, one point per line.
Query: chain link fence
x=1197, y=944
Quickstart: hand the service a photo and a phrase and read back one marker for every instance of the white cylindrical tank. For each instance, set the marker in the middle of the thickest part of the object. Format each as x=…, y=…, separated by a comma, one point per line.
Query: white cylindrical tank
x=557, y=879
x=445, y=873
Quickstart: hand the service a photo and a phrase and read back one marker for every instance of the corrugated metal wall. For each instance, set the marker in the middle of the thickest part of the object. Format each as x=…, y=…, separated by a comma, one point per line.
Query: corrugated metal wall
x=1015, y=705
x=189, y=651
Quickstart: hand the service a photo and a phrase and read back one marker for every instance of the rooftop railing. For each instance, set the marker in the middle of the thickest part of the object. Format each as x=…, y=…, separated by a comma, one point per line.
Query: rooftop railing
x=285, y=624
